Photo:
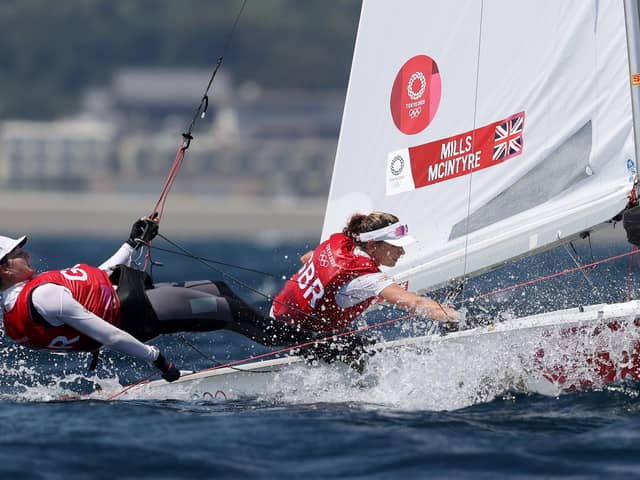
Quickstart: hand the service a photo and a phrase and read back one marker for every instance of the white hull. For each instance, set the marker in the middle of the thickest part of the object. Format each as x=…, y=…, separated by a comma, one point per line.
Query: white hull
x=549, y=353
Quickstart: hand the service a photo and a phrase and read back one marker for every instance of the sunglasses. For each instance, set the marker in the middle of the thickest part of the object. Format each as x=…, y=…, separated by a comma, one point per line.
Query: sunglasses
x=401, y=231
x=393, y=231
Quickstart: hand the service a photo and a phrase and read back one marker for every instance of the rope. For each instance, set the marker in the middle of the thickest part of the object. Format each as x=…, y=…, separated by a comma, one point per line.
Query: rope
x=630, y=272
x=574, y=257
x=473, y=142
x=553, y=275
x=207, y=263
x=133, y=385
x=200, y=112
x=212, y=359
x=158, y=209
x=210, y=260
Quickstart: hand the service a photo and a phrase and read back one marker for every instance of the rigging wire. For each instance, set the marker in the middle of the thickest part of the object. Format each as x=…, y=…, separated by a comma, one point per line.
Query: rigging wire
x=209, y=265
x=200, y=112
x=459, y=288
x=158, y=209
x=210, y=260
x=576, y=261
x=629, y=275
x=213, y=360
x=553, y=275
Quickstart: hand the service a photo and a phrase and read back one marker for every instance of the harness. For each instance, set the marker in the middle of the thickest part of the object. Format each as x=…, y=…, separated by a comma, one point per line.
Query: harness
x=136, y=313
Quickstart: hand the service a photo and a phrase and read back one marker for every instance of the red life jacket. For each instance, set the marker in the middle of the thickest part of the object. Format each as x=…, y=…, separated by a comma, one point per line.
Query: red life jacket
x=309, y=298
x=89, y=286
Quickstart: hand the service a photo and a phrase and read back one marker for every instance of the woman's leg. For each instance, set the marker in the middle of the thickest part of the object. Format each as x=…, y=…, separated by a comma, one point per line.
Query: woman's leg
x=212, y=287
x=200, y=306
x=182, y=309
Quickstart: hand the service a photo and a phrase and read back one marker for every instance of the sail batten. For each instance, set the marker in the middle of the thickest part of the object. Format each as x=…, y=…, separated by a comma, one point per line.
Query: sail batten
x=494, y=129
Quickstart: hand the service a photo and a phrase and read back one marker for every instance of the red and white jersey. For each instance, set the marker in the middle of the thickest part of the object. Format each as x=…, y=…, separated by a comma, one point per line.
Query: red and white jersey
x=89, y=286
x=308, y=299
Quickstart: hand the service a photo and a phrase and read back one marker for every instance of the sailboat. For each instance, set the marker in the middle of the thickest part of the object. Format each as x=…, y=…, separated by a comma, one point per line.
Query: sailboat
x=496, y=130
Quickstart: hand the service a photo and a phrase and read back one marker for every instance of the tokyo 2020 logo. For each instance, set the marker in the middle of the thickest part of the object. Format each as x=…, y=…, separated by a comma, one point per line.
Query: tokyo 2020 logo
x=415, y=95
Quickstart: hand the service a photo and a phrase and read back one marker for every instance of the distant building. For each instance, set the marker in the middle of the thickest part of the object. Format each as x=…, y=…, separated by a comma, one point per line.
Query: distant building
x=254, y=167
x=253, y=141
x=59, y=155
x=287, y=113
x=260, y=142
x=148, y=98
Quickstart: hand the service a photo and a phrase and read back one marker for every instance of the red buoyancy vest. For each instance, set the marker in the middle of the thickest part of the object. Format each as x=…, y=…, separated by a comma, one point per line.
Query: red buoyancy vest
x=309, y=297
x=89, y=286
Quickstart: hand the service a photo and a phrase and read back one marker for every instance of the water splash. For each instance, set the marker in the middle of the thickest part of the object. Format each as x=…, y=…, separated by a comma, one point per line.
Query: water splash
x=443, y=373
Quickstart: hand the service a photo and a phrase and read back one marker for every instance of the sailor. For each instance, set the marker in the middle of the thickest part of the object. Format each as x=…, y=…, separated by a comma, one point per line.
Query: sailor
x=84, y=308
x=341, y=278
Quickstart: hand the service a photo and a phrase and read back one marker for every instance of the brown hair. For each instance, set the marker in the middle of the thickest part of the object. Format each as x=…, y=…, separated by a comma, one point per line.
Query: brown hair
x=360, y=223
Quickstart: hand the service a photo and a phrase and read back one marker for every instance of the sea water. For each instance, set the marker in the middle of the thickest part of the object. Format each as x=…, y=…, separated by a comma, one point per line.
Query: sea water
x=425, y=416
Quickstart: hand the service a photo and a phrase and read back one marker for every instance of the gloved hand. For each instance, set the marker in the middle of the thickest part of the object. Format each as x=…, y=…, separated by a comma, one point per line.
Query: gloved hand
x=169, y=371
x=142, y=232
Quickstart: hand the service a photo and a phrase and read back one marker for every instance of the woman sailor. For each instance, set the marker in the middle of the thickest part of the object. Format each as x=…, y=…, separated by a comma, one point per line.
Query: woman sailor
x=341, y=278
x=80, y=309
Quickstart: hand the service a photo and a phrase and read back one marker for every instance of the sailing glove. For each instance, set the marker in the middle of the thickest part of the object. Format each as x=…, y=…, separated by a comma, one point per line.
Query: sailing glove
x=169, y=371
x=143, y=231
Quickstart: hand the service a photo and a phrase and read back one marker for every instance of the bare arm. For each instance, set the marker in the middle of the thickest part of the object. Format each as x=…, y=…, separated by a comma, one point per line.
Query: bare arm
x=423, y=306
x=305, y=258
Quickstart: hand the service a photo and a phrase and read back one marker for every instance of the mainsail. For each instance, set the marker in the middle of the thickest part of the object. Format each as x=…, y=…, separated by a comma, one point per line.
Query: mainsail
x=494, y=128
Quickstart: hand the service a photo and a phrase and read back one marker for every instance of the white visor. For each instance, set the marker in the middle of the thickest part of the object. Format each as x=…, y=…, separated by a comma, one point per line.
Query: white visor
x=8, y=245
x=395, y=234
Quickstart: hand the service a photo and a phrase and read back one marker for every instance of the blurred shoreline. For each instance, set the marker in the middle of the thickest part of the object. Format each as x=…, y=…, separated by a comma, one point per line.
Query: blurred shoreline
x=185, y=216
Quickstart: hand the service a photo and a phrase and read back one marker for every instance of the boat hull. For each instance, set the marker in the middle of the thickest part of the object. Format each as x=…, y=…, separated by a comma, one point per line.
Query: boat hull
x=551, y=353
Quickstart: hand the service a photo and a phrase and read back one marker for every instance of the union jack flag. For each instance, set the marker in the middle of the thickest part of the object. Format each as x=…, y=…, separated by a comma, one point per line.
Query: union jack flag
x=508, y=138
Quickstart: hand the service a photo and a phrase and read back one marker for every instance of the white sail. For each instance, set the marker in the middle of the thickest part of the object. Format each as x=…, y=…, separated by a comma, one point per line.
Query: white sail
x=493, y=128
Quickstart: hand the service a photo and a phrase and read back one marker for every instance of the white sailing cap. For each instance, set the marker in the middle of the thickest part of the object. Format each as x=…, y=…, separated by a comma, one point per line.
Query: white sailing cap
x=7, y=245
x=395, y=234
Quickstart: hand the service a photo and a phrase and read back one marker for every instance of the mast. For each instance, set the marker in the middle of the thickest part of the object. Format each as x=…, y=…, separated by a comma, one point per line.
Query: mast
x=632, y=20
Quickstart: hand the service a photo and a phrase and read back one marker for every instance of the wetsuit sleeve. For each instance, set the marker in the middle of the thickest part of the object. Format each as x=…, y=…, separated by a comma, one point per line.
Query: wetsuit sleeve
x=57, y=306
x=124, y=256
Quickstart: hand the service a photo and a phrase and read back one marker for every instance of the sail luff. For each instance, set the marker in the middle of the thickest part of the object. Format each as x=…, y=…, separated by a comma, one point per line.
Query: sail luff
x=632, y=20
x=336, y=172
